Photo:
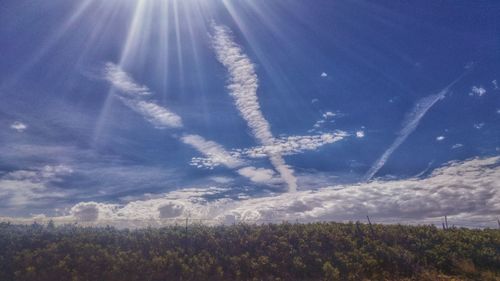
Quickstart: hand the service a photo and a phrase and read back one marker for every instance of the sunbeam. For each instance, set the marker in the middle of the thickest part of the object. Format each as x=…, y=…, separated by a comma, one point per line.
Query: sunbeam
x=69, y=23
x=110, y=102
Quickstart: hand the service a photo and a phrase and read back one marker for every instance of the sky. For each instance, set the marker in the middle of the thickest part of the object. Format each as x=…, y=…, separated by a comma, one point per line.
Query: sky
x=145, y=112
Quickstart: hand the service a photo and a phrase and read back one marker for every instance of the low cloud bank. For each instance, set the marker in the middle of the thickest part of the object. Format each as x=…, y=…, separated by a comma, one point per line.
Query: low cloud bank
x=467, y=192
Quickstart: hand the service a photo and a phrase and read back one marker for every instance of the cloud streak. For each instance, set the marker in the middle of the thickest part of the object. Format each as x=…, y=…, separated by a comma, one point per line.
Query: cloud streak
x=135, y=97
x=216, y=154
x=259, y=175
x=243, y=84
x=155, y=114
x=123, y=82
x=294, y=144
x=409, y=125
x=31, y=186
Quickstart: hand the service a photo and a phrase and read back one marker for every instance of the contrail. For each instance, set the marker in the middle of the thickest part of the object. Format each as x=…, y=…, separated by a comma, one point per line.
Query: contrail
x=243, y=84
x=135, y=96
x=410, y=124
x=214, y=151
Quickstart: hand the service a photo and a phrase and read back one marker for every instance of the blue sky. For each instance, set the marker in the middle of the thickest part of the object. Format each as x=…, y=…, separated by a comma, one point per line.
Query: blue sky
x=141, y=109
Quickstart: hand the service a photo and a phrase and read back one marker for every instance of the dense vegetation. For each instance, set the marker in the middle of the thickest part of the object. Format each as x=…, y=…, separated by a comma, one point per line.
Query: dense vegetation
x=317, y=251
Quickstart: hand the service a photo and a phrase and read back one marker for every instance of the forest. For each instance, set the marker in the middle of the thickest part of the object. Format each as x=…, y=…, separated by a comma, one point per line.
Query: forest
x=285, y=251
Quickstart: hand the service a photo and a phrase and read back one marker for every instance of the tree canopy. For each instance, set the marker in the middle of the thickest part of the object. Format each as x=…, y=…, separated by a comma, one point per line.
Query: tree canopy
x=315, y=251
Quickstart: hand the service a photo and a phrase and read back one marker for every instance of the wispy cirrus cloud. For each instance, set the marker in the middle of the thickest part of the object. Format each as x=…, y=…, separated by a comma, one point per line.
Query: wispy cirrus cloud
x=31, y=186
x=52, y=176
x=243, y=85
x=135, y=97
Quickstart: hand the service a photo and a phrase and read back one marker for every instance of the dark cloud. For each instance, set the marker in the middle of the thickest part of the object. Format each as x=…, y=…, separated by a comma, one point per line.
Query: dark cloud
x=170, y=210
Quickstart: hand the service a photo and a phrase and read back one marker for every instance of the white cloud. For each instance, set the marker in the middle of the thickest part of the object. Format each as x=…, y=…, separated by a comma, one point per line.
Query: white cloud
x=176, y=204
x=259, y=175
x=314, y=101
x=495, y=84
x=360, y=134
x=294, y=144
x=136, y=98
x=29, y=187
x=329, y=114
x=221, y=179
x=440, y=138
x=243, y=84
x=122, y=81
x=157, y=115
x=470, y=65
x=284, y=146
x=317, y=125
x=467, y=192
x=409, y=125
x=18, y=126
x=477, y=91
x=457, y=145
x=478, y=126
x=216, y=154
x=41, y=174
x=326, y=116
x=87, y=211
x=324, y=74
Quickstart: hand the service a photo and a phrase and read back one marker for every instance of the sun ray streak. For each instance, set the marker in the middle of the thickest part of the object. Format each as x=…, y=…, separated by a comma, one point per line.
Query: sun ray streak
x=178, y=41
x=129, y=54
x=52, y=40
x=163, y=52
x=190, y=16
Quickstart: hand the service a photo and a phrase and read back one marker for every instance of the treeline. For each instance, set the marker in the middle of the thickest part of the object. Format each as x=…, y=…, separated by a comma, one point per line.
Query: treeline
x=315, y=251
